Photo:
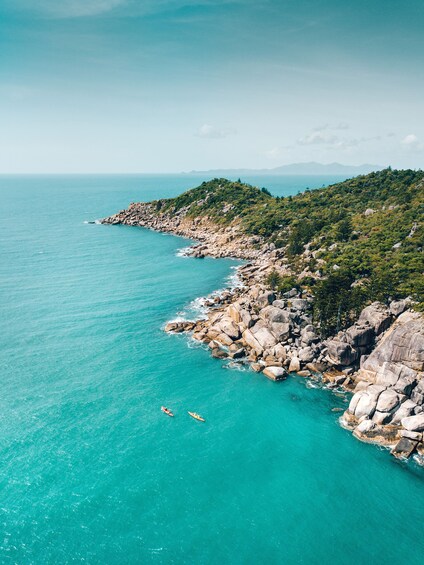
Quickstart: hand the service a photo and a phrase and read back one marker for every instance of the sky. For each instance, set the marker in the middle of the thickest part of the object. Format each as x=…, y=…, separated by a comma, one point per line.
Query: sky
x=127, y=86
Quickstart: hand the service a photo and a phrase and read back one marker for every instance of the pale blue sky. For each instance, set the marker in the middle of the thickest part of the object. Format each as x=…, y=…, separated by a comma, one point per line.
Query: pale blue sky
x=172, y=85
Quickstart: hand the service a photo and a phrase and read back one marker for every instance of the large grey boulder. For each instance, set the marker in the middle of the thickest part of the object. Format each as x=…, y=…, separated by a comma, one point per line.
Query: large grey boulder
x=417, y=396
x=281, y=331
x=264, y=337
x=360, y=336
x=306, y=355
x=398, y=307
x=404, y=448
x=265, y=299
x=341, y=353
x=390, y=373
x=275, y=373
x=414, y=423
x=364, y=403
x=403, y=344
x=300, y=304
x=252, y=342
x=364, y=427
x=377, y=316
x=274, y=314
x=294, y=366
x=234, y=312
x=246, y=318
x=309, y=337
x=230, y=328
x=388, y=401
x=279, y=351
x=381, y=418
x=406, y=409
x=224, y=339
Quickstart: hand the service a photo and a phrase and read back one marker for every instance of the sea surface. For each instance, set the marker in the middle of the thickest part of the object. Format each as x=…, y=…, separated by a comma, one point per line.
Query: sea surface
x=91, y=471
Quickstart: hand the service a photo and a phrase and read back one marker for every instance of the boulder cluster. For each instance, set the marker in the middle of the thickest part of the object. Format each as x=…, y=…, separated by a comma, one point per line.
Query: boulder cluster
x=388, y=400
x=275, y=336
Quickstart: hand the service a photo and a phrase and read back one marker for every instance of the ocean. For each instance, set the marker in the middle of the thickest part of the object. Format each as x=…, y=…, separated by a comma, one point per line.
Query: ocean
x=90, y=469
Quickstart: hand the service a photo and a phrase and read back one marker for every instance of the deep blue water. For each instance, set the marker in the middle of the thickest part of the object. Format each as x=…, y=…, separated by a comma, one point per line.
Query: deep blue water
x=90, y=469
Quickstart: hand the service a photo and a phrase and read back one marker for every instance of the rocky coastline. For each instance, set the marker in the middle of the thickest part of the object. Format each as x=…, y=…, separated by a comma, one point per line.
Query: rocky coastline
x=379, y=359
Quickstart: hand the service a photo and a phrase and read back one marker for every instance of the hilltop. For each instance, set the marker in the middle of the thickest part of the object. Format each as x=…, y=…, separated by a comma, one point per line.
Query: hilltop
x=370, y=225
x=364, y=235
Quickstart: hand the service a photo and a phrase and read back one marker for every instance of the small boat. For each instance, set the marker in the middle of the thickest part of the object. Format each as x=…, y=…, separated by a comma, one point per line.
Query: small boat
x=196, y=416
x=167, y=411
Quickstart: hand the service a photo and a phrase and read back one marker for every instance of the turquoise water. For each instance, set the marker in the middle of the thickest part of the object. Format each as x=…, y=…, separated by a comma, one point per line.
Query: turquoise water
x=91, y=470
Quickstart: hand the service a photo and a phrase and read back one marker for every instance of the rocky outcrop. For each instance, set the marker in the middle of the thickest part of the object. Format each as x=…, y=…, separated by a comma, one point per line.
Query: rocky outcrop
x=377, y=316
x=390, y=382
x=347, y=347
x=214, y=241
x=403, y=345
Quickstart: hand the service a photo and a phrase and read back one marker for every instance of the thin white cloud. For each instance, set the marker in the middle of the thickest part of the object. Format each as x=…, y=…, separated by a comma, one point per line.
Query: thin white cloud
x=410, y=139
x=211, y=132
x=412, y=143
x=324, y=135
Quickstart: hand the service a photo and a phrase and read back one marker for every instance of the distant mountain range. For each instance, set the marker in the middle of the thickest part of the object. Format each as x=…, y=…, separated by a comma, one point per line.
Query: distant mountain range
x=310, y=168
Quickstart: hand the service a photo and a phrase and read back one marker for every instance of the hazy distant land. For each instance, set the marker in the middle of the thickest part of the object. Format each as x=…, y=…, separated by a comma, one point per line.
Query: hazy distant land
x=309, y=168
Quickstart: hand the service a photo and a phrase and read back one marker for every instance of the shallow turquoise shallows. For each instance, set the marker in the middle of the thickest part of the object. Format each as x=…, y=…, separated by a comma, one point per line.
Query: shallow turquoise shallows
x=90, y=469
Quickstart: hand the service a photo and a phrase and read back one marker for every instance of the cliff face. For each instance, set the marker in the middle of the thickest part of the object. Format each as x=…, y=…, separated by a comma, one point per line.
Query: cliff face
x=403, y=345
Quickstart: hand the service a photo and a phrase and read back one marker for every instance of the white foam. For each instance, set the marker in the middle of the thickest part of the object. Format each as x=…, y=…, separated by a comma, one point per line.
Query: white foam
x=234, y=279
x=183, y=252
x=235, y=366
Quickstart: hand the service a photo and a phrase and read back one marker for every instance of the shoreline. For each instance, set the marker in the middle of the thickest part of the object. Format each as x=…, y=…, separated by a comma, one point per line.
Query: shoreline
x=276, y=336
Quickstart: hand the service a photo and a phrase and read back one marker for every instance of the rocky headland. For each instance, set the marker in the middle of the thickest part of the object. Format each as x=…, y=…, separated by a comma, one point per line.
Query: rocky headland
x=379, y=358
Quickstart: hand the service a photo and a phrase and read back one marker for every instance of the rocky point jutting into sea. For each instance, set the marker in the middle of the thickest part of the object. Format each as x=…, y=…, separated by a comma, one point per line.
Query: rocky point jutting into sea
x=379, y=358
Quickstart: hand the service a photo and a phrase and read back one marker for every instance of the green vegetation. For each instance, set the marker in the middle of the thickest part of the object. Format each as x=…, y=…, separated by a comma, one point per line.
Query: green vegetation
x=361, y=239
x=337, y=303
x=221, y=200
x=274, y=279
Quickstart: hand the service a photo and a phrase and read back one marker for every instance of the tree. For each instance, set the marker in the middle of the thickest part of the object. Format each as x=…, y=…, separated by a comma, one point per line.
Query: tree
x=333, y=302
x=343, y=230
x=273, y=279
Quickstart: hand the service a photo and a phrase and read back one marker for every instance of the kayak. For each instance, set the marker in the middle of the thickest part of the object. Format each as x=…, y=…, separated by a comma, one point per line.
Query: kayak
x=196, y=416
x=166, y=411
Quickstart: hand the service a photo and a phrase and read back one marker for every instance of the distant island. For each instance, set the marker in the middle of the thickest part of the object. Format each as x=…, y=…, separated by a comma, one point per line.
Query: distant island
x=332, y=290
x=310, y=168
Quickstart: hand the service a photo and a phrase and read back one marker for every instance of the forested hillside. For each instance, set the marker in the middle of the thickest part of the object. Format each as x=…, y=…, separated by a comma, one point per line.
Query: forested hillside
x=365, y=233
